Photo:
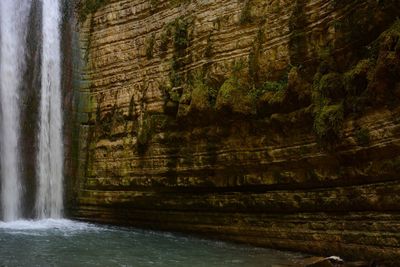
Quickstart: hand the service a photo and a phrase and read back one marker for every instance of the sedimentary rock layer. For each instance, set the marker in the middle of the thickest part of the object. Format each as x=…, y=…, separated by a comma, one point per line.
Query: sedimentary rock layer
x=269, y=122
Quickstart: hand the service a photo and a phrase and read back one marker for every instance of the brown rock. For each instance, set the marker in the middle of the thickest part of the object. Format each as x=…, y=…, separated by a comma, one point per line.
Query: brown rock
x=240, y=175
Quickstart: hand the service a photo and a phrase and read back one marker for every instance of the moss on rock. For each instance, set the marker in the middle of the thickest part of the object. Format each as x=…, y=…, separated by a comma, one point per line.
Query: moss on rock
x=200, y=96
x=362, y=136
x=232, y=97
x=328, y=123
x=144, y=134
x=87, y=7
x=331, y=86
x=356, y=79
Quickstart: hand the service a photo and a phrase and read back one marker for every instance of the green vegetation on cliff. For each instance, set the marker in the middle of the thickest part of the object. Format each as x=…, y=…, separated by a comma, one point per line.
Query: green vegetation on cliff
x=328, y=122
x=86, y=7
x=288, y=117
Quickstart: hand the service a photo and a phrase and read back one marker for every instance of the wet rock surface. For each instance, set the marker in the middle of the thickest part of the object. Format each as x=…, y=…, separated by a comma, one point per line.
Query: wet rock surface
x=274, y=123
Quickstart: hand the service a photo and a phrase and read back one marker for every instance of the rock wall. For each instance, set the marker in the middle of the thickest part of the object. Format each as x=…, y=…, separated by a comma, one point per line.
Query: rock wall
x=275, y=123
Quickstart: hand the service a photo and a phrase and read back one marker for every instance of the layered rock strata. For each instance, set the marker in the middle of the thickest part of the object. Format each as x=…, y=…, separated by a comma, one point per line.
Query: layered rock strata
x=275, y=123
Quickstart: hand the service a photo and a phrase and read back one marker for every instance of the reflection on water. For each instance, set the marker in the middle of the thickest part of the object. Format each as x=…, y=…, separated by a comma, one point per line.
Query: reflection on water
x=69, y=243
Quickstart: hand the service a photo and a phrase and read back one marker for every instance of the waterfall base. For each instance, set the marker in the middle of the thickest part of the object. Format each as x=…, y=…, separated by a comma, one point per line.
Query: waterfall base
x=68, y=243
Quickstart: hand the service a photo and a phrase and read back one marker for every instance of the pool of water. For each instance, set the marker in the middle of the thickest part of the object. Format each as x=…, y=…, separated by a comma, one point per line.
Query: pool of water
x=69, y=243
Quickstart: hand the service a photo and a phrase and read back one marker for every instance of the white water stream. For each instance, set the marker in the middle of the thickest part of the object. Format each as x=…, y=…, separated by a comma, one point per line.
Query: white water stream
x=49, y=199
x=14, y=17
x=13, y=24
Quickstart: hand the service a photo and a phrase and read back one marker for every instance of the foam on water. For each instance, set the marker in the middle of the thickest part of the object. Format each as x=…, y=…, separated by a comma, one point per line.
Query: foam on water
x=48, y=224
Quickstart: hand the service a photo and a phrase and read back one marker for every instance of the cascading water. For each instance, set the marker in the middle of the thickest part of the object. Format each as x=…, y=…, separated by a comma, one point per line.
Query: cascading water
x=49, y=199
x=13, y=17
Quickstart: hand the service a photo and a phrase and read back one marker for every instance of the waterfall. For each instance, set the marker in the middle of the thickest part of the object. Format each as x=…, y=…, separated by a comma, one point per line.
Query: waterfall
x=49, y=199
x=13, y=19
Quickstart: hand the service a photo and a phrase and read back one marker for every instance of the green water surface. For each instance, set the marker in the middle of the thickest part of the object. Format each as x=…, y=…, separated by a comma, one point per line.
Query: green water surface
x=69, y=243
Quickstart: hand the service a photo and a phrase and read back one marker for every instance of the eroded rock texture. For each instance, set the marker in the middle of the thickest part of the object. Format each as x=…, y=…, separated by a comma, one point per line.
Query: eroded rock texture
x=274, y=122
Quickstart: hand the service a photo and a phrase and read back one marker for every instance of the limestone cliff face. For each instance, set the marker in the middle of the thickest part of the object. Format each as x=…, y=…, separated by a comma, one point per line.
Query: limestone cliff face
x=275, y=122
